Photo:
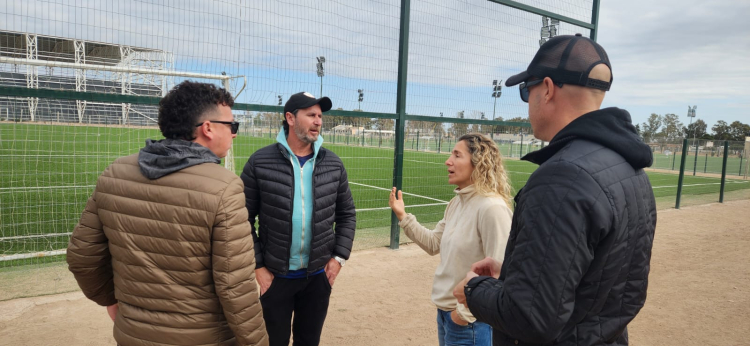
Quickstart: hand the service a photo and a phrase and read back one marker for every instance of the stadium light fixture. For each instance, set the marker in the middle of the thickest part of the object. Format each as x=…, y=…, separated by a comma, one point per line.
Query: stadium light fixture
x=545, y=32
x=496, y=92
x=361, y=97
x=321, y=72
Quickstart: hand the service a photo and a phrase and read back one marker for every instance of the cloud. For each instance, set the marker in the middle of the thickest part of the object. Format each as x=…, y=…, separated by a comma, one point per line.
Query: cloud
x=663, y=52
x=677, y=51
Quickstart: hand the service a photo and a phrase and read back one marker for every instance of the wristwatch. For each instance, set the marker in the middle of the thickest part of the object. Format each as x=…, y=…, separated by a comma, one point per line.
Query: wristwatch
x=340, y=260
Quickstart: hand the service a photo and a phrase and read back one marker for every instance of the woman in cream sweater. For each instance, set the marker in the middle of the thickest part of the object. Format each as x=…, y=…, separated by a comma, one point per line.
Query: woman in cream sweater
x=475, y=225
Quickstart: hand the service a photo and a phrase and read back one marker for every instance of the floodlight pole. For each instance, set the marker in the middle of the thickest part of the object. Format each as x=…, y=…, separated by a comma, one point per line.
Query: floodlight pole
x=321, y=72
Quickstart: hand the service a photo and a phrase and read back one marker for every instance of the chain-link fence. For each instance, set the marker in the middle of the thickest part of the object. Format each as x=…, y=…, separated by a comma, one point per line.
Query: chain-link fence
x=79, y=85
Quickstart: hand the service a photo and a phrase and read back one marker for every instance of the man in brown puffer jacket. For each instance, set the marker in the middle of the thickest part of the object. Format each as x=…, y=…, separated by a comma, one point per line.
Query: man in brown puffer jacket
x=164, y=241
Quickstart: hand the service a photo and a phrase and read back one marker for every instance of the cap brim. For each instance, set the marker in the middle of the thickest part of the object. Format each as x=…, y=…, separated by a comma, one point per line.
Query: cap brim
x=517, y=79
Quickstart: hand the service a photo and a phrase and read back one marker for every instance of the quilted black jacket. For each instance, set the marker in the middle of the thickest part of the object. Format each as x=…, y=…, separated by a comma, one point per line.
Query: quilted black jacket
x=269, y=187
x=576, y=266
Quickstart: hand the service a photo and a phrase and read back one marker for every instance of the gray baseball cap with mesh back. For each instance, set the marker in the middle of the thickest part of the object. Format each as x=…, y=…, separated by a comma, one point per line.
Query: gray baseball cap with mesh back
x=567, y=59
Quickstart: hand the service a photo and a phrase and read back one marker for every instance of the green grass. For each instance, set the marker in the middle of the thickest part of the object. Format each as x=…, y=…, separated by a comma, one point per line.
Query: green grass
x=47, y=173
x=705, y=163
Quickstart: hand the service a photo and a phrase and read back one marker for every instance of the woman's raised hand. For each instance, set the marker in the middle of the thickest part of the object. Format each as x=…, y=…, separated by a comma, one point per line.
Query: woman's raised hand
x=397, y=204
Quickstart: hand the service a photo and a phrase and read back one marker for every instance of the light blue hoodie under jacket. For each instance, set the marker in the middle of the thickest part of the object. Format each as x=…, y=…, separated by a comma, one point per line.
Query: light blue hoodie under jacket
x=299, y=252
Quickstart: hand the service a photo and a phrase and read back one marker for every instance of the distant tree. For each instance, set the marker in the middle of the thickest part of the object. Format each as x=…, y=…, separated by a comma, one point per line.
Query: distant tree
x=651, y=127
x=721, y=131
x=738, y=131
x=638, y=129
x=697, y=129
x=514, y=129
x=385, y=124
x=458, y=129
x=672, y=128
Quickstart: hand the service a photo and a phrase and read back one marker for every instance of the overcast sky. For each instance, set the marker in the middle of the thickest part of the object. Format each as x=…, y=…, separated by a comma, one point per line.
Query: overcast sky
x=669, y=54
x=665, y=54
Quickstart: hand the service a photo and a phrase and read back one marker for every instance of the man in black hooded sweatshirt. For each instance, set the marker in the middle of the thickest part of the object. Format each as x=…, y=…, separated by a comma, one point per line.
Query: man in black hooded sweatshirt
x=576, y=266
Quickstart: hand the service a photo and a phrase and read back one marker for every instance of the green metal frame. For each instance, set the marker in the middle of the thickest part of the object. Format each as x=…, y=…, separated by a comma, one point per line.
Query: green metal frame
x=682, y=172
x=724, y=172
x=398, y=159
x=399, y=116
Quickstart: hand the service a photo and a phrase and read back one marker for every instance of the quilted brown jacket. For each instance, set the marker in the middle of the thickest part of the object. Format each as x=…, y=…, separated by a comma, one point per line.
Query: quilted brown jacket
x=176, y=254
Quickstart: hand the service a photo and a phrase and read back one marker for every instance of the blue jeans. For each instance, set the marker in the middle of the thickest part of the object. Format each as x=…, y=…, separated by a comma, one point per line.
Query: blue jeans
x=451, y=334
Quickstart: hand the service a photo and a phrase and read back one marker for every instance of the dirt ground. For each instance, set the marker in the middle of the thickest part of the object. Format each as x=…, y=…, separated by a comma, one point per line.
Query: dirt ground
x=698, y=293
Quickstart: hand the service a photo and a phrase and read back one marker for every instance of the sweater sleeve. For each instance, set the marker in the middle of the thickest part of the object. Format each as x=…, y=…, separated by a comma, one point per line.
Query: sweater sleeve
x=427, y=239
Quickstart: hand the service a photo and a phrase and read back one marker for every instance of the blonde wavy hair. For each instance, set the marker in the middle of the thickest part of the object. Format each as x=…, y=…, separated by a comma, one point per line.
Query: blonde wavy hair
x=489, y=176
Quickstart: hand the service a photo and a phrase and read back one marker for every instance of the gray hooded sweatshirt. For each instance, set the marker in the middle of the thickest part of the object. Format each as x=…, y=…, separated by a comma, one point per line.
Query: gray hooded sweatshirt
x=160, y=158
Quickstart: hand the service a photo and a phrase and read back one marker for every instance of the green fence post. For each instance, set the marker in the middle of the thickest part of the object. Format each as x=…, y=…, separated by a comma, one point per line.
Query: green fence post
x=520, y=148
x=380, y=137
x=363, y=137
x=695, y=162
x=398, y=159
x=674, y=157
x=724, y=171
x=705, y=165
x=417, y=140
x=510, y=153
x=682, y=173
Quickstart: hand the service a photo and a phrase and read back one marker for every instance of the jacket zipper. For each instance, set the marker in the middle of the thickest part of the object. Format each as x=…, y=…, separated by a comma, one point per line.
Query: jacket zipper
x=302, y=192
x=283, y=152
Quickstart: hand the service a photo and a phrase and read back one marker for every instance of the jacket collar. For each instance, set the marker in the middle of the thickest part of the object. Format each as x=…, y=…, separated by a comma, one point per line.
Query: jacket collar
x=609, y=127
x=281, y=139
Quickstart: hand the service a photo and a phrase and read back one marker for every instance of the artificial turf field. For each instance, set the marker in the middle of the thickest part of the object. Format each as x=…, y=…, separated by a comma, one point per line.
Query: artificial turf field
x=48, y=171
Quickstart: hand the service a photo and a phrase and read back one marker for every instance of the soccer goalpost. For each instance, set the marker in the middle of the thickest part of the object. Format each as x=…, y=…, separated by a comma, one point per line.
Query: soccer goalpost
x=51, y=133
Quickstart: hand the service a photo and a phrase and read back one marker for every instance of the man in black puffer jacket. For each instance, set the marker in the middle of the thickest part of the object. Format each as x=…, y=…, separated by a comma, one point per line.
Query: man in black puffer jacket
x=576, y=266
x=299, y=191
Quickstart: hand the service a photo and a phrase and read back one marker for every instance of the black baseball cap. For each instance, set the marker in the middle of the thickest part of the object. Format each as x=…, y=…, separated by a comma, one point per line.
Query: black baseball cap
x=567, y=59
x=303, y=100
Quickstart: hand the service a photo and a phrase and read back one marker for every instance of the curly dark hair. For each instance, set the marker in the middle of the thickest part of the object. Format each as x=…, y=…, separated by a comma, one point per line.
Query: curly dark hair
x=184, y=106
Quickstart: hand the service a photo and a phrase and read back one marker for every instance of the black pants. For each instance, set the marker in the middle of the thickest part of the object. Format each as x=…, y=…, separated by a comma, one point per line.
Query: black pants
x=307, y=298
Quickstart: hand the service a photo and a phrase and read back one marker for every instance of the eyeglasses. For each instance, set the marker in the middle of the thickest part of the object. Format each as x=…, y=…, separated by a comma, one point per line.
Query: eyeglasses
x=234, y=125
x=524, y=88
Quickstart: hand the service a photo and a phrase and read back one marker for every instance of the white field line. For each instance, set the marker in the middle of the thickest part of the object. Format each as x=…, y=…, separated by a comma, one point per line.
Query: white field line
x=408, y=206
x=25, y=188
x=36, y=236
x=684, y=185
x=405, y=193
x=61, y=156
x=32, y=255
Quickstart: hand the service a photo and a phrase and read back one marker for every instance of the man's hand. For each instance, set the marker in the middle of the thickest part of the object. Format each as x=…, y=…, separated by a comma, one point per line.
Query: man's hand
x=458, y=291
x=265, y=278
x=457, y=319
x=332, y=270
x=487, y=267
x=397, y=205
x=112, y=311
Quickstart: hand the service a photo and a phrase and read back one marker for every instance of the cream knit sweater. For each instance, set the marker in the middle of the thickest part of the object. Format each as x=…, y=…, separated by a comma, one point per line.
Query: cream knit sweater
x=473, y=227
